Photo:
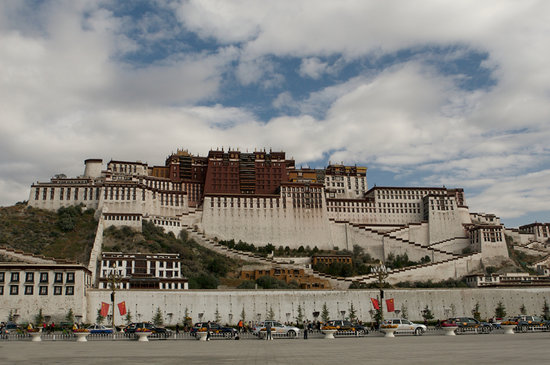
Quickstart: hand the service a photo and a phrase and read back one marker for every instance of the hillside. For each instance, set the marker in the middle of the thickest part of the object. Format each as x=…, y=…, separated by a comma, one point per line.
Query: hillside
x=67, y=234
x=204, y=268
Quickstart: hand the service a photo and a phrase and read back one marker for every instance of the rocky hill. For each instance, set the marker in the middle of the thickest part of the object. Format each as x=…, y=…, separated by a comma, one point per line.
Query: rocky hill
x=69, y=234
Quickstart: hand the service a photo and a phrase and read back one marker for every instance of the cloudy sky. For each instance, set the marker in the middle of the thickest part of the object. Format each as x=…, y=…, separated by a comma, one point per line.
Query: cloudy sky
x=424, y=93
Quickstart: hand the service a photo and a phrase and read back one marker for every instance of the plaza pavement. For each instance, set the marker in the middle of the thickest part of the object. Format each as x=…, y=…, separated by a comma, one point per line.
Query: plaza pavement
x=531, y=348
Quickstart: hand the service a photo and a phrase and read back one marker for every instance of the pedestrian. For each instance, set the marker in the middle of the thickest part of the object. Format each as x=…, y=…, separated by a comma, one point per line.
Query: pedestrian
x=268, y=331
x=305, y=331
x=240, y=326
x=177, y=328
x=208, y=327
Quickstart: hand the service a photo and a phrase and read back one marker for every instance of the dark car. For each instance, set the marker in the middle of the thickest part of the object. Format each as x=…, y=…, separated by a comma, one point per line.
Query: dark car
x=214, y=328
x=530, y=322
x=159, y=331
x=465, y=323
x=342, y=325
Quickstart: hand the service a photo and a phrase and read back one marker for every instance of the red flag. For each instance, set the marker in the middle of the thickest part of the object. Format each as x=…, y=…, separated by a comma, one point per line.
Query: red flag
x=375, y=303
x=122, y=308
x=390, y=305
x=104, y=309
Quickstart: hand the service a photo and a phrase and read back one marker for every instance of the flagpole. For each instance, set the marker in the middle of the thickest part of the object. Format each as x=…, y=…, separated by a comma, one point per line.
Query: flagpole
x=114, y=278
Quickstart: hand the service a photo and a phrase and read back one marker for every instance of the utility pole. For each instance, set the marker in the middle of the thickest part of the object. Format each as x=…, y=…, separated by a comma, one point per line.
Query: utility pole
x=382, y=274
x=114, y=278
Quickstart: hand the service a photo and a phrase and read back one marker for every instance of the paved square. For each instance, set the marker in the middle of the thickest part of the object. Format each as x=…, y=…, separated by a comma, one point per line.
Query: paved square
x=533, y=348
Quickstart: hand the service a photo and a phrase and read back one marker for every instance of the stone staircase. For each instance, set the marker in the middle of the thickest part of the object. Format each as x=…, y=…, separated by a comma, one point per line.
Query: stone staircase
x=432, y=267
x=430, y=251
x=204, y=241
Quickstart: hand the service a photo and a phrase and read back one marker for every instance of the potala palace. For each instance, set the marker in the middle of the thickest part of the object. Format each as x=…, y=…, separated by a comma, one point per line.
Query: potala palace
x=263, y=198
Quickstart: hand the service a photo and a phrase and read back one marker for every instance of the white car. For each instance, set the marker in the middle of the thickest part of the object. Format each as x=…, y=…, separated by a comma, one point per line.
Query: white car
x=277, y=328
x=406, y=326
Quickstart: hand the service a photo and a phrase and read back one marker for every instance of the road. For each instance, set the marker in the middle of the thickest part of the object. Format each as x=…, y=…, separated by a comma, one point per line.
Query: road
x=532, y=348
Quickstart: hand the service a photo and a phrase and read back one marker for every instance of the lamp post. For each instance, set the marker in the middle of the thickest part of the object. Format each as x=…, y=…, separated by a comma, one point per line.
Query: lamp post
x=114, y=278
x=381, y=275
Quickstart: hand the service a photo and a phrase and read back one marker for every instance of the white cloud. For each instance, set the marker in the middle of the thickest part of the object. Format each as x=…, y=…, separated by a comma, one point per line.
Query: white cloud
x=65, y=94
x=313, y=67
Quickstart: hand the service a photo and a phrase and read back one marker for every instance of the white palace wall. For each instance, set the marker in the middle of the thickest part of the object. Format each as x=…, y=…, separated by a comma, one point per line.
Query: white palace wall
x=265, y=220
x=444, y=303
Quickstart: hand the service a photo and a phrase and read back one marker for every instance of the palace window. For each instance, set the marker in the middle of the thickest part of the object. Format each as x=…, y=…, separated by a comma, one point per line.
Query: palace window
x=2, y=277
x=14, y=289
x=14, y=277
x=57, y=290
x=43, y=277
x=69, y=290
x=70, y=277
x=29, y=277
x=29, y=289
x=58, y=277
x=43, y=290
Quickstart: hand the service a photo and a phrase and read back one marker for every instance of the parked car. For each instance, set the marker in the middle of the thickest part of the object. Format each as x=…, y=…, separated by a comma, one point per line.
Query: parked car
x=159, y=331
x=98, y=328
x=465, y=323
x=342, y=325
x=404, y=325
x=12, y=327
x=277, y=327
x=526, y=322
x=214, y=328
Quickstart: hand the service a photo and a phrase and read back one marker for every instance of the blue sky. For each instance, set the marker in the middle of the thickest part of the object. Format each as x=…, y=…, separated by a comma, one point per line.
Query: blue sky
x=423, y=93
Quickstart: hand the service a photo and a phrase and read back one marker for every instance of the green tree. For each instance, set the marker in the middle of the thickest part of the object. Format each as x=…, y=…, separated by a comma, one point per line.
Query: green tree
x=99, y=318
x=128, y=317
x=39, y=318
x=522, y=309
x=500, y=310
x=217, y=316
x=70, y=316
x=187, y=320
x=157, y=319
x=427, y=314
x=300, y=316
x=475, y=312
x=546, y=310
x=11, y=317
x=243, y=315
x=352, y=313
x=325, y=315
x=404, y=311
x=271, y=313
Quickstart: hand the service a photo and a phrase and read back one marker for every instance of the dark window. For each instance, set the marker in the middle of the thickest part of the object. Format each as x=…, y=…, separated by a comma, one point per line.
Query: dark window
x=1, y=277
x=14, y=277
x=70, y=277
x=29, y=277
x=44, y=277
x=58, y=277
x=29, y=289
x=2, y=290
x=14, y=289
x=43, y=290
x=57, y=290
x=69, y=290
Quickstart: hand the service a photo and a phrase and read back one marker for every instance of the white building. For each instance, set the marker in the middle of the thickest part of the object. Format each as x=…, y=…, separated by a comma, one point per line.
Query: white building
x=141, y=271
x=26, y=288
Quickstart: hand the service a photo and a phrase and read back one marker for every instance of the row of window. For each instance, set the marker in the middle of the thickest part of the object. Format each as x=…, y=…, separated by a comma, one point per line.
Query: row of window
x=43, y=276
x=42, y=290
x=66, y=193
x=373, y=210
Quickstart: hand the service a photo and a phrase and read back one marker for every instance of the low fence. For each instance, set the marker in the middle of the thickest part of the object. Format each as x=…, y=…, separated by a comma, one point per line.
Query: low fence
x=182, y=336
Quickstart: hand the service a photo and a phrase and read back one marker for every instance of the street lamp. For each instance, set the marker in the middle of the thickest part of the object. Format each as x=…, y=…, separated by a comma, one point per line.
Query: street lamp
x=114, y=278
x=381, y=274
